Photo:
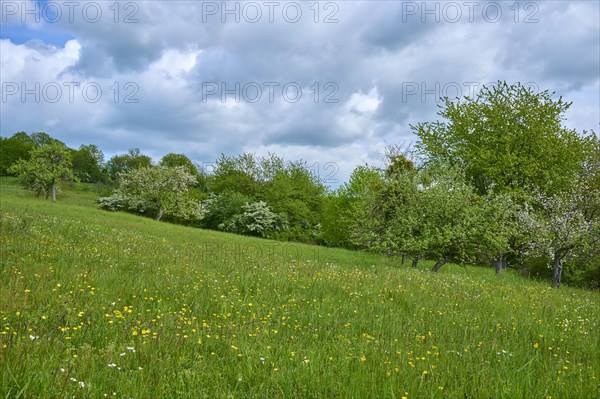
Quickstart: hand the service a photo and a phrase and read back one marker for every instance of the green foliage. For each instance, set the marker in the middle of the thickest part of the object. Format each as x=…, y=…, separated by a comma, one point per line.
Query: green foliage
x=297, y=193
x=506, y=138
x=342, y=206
x=220, y=209
x=13, y=149
x=41, y=139
x=242, y=174
x=88, y=164
x=172, y=160
x=47, y=167
x=121, y=164
x=411, y=212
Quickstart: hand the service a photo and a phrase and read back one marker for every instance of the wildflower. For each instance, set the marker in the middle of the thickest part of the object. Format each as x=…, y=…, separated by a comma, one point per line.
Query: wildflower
x=112, y=365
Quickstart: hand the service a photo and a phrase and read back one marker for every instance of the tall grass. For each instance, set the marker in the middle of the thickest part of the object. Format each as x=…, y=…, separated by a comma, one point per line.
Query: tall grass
x=97, y=304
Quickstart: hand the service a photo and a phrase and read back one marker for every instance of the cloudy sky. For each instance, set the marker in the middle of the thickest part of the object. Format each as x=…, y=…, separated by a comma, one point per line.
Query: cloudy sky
x=330, y=82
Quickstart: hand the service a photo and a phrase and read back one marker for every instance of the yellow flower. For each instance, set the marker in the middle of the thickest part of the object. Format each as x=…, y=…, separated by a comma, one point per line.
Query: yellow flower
x=363, y=358
x=535, y=346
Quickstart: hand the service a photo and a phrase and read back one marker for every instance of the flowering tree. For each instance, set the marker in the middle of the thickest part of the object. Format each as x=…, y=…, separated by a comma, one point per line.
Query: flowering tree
x=562, y=223
x=160, y=187
x=256, y=219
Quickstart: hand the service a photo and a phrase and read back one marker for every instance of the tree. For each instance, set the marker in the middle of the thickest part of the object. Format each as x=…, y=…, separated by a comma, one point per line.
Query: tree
x=13, y=149
x=506, y=138
x=297, y=193
x=509, y=140
x=172, y=160
x=162, y=188
x=421, y=212
x=241, y=174
x=88, y=163
x=120, y=164
x=46, y=168
x=222, y=208
x=562, y=223
x=256, y=219
x=41, y=139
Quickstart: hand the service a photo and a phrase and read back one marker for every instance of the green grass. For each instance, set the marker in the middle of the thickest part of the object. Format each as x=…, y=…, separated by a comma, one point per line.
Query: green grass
x=94, y=303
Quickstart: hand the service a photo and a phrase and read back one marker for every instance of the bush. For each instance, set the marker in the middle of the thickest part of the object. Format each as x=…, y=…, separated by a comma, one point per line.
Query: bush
x=115, y=202
x=256, y=219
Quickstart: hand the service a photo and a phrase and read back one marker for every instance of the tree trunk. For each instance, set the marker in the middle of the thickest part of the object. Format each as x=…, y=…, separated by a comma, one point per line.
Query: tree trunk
x=402, y=259
x=557, y=268
x=160, y=214
x=438, y=265
x=500, y=263
x=54, y=192
x=415, y=262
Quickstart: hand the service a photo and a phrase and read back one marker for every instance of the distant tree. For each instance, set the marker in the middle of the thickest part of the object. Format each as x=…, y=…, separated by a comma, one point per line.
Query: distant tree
x=161, y=188
x=256, y=219
x=46, y=168
x=342, y=206
x=241, y=174
x=41, y=139
x=88, y=163
x=120, y=164
x=172, y=160
x=296, y=192
x=13, y=149
x=222, y=208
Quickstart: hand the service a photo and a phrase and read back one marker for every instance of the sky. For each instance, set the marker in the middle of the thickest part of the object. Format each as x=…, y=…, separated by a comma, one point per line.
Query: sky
x=328, y=82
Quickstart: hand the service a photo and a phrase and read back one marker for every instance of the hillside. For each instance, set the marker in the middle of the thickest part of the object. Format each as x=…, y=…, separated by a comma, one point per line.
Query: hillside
x=96, y=304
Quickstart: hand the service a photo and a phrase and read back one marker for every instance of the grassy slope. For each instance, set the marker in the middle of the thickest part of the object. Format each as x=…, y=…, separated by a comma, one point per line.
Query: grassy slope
x=95, y=303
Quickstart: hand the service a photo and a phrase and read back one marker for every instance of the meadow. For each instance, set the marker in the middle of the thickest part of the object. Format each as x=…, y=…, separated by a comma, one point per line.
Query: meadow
x=96, y=304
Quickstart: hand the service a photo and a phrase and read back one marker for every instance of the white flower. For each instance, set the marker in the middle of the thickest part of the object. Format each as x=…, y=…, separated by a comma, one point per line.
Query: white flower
x=122, y=354
x=81, y=384
x=73, y=379
x=112, y=365
x=32, y=337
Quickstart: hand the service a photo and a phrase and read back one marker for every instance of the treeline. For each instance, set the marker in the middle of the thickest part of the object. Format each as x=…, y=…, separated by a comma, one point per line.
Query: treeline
x=497, y=181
